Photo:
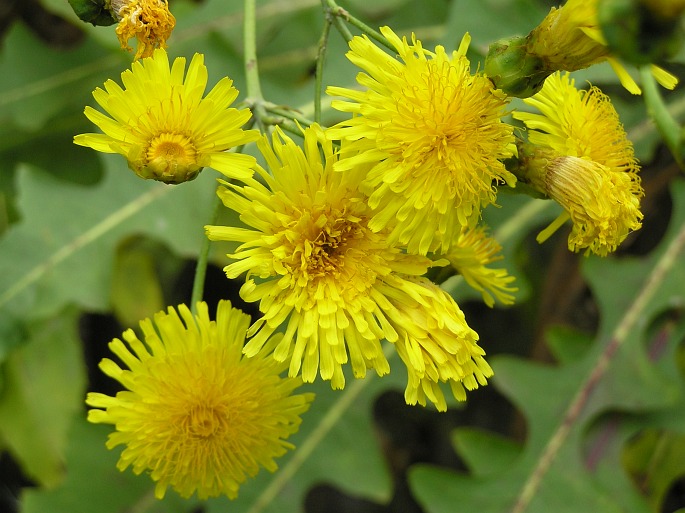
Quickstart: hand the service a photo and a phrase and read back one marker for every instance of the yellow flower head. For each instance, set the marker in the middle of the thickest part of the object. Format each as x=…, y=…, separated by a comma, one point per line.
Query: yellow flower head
x=149, y=21
x=433, y=133
x=570, y=38
x=164, y=127
x=196, y=414
x=470, y=255
x=582, y=158
x=316, y=267
x=437, y=346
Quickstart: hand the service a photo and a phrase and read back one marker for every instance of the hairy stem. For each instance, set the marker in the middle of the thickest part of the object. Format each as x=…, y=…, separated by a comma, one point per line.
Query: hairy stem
x=254, y=91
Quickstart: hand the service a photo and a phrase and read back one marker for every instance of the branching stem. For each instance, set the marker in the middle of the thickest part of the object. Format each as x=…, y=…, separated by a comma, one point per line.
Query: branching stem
x=341, y=15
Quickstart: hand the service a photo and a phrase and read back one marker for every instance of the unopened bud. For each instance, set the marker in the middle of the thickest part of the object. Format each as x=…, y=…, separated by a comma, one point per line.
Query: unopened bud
x=513, y=69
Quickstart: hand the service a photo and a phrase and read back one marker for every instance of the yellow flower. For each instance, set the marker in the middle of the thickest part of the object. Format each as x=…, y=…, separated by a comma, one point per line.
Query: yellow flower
x=196, y=414
x=318, y=270
x=164, y=127
x=470, y=255
x=581, y=158
x=149, y=21
x=434, y=135
x=570, y=38
x=437, y=346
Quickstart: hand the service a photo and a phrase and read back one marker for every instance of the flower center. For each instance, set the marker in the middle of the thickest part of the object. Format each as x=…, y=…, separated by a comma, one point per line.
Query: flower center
x=328, y=244
x=203, y=422
x=171, y=158
x=323, y=254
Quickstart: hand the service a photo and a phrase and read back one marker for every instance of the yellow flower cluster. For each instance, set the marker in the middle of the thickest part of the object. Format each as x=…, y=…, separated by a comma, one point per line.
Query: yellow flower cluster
x=338, y=237
x=337, y=286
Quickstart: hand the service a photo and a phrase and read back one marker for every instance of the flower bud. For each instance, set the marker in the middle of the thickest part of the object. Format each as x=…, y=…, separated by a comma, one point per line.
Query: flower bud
x=513, y=69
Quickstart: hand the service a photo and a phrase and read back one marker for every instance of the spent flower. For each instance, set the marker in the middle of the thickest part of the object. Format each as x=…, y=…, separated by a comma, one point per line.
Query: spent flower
x=163, y=126
x=149, y=21
x=196, y=414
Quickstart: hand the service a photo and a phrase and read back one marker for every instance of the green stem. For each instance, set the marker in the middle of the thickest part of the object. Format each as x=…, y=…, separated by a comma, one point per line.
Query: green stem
x=338, y=14
x=341, y=14
x=320, y=58
x=670, y=130
x=254, y=89
x=254, y=92
x=287, y=113
x=201, y=267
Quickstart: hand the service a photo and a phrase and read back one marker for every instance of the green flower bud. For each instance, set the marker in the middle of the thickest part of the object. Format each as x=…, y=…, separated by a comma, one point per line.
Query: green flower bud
x=638, y=34
x=513, y=70
x=96, y=12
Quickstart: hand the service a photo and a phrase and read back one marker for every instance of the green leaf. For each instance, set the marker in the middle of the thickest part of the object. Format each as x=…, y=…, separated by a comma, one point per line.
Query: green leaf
x=33, y=91
x=566, y=344
x=44, y=387
x=615, y=439
x=485, y=453
x=68, y=234
x=93, y=482
x=12, y=334
x=656, y=459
